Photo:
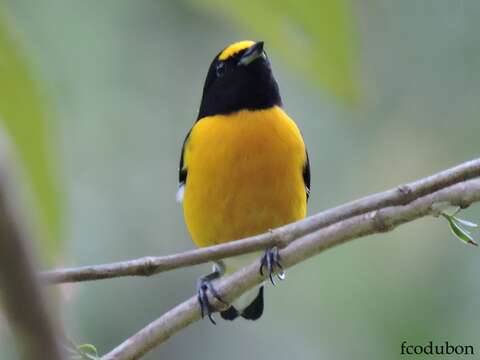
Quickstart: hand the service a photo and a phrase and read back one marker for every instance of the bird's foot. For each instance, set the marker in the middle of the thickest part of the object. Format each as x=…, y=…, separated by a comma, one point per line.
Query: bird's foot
x=271, y=262
x=204, y=286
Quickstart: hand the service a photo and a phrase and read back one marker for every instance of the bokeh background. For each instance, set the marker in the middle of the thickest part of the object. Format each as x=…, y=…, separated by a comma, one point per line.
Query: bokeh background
x=384, y=91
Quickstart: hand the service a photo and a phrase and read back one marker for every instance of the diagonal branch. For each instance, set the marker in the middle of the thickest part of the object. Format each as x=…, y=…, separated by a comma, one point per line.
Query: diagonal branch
x=279, y=237
x=384, y=219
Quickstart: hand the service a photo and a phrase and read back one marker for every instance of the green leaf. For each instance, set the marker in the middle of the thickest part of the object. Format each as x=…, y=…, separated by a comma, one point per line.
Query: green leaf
x=82, y=352
x=315, y=36
x=457, y=230
x=466, y=222
x=23, y=114
x=88, y=348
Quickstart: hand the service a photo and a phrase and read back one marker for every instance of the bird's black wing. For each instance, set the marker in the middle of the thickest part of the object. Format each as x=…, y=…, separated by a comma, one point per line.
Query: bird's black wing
x=182, y=172
x=306, y=175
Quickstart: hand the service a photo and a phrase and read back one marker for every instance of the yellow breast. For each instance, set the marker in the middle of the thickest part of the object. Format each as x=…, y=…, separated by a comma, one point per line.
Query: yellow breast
x=244, y=175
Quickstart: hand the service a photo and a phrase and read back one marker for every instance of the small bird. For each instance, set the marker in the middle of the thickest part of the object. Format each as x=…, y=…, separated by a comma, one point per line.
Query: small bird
x=244, y=168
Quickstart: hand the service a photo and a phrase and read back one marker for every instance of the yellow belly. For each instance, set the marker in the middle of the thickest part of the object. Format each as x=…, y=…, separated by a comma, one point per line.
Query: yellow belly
x=244, y=175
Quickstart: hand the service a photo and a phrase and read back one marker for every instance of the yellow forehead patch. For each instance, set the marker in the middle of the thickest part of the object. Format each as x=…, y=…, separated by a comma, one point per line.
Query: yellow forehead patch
x=231, y=50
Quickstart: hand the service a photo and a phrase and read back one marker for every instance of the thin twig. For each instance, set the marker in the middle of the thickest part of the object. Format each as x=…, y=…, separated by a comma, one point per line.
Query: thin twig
x=279, y=237
x=381, y=220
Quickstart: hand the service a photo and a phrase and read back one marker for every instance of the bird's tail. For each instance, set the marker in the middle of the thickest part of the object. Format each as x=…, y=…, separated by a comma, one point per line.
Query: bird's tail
x=253, y=311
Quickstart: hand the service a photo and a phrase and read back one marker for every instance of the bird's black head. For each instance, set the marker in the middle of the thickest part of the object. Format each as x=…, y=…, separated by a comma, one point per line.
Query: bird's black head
x=239, y=78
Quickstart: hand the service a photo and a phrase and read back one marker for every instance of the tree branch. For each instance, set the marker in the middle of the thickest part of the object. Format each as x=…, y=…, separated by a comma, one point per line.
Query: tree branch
x=279, y=237
x=384, y=219
x=20, y=293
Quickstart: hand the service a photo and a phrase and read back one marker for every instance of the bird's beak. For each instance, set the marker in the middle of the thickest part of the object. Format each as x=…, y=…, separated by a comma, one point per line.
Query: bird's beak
x=253, y=53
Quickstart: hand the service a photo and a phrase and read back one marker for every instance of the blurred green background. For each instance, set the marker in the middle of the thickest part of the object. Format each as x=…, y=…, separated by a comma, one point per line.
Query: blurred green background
x=384, y=91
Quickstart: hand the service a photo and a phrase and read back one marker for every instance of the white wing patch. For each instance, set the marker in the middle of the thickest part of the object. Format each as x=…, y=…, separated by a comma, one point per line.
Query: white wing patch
x=180, y=192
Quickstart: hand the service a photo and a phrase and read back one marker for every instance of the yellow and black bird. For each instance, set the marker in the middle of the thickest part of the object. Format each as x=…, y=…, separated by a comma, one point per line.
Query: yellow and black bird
x=244, y=167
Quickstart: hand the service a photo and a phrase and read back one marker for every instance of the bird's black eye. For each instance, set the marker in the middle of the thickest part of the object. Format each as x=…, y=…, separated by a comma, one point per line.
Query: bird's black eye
x=220, y=69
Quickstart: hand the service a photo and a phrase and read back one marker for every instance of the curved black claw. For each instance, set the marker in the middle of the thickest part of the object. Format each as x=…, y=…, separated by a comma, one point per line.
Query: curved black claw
x=271, y=262
x=204, y=286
